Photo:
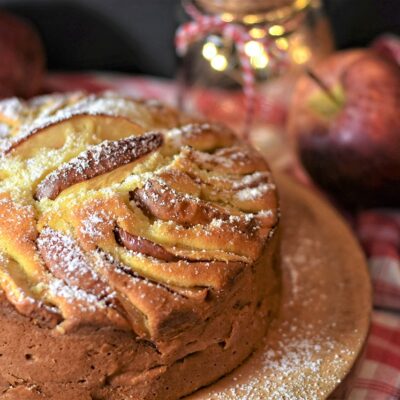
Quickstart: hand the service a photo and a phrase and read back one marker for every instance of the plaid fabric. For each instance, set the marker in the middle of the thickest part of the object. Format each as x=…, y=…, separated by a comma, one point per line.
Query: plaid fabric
x=376, y=374
x=379, y=233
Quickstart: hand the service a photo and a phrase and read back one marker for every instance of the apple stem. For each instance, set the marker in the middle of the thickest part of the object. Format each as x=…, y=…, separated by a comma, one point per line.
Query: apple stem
x=323, y=86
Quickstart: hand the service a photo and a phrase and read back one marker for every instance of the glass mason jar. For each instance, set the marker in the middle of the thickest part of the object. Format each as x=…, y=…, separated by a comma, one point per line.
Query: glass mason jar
x=210, y=72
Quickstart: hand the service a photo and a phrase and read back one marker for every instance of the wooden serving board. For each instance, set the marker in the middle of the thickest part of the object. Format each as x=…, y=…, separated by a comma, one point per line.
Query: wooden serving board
x=325, y=310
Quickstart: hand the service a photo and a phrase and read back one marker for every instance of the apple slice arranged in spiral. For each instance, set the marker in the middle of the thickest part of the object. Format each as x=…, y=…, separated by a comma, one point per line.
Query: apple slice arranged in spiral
x=67, y=262
x=65, y=259
x=142, y=245
x=16, y=287
x=98, y=160
x=52, y=131
x=159, y=200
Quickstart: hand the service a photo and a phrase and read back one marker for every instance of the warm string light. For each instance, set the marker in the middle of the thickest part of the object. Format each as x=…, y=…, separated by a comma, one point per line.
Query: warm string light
x=259, y=59
x=219, y=62
x=282, y=43
x=276, y=30
x=213, y=53
x=258, y=33
x=209, y=50
x=300, y=53
x=254, y=49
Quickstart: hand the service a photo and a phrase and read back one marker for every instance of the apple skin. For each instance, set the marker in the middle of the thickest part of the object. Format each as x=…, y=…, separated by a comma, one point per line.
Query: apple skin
x=388, y=46
x=22, y=58
x=352, y=151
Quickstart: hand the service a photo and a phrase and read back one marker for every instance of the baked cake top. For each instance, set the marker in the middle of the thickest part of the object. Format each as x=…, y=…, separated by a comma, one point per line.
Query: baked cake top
x=123, y=213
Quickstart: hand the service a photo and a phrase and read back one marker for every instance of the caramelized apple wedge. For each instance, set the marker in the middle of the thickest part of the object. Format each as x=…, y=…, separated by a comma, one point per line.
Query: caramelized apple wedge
x=156, y=198
x=149, y=318
x=16, y=286
x=96, y=161
x=141, y=245
x=52, y=132
x=201, y=136
x=240, y=160
x=67, y=261
x=73, y=274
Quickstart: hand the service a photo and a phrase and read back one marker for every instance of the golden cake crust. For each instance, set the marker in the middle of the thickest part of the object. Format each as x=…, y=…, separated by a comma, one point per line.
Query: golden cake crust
x=138, y=249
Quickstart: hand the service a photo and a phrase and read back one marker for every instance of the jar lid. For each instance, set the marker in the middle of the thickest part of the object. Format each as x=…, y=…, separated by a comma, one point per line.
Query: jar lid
x=253, y=11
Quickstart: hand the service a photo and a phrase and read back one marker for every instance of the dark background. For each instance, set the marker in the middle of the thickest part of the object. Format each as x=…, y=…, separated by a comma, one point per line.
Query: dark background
x=137, y=35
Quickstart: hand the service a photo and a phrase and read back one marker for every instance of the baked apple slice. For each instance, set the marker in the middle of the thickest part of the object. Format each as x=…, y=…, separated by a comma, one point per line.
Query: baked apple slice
x=161, y=201
x=66, y=261
x=16, y=287
x=52, y=132
x=142, y=245
x=98, y=160
x=73, y=275
x=201, y=136
x=149, y=318
x=182, y=274
x=229, y=160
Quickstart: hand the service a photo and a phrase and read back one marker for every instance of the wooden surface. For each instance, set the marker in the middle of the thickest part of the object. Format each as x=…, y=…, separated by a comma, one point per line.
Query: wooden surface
x=325, y=310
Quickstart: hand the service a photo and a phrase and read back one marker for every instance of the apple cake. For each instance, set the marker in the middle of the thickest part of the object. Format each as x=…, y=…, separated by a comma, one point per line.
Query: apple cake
x=138, y=248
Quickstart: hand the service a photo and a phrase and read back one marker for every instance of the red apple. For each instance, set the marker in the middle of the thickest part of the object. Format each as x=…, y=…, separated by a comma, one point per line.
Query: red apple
x=388, y=46
x=21, y=58
x=348, y=137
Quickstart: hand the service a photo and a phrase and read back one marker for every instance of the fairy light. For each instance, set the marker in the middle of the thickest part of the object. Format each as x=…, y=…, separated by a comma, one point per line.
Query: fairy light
x=301, y=4
x=301, y=54
x=258, y=57
x=282, y=43
x=257, y=33
x=260, y=61
x=276, y=30
x=219, y=62
x=252, y=19
x=209, y=50
x=253, y=48
x=227, y=17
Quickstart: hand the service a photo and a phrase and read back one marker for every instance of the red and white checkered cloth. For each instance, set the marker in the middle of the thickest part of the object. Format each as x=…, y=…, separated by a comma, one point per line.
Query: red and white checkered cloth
x=376, y=375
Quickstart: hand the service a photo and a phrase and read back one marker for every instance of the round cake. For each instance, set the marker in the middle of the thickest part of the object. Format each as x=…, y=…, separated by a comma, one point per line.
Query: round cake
x=138, y=249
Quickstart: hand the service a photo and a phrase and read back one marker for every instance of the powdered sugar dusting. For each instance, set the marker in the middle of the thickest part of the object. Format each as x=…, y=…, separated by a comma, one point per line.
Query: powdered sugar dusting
x=93, y=225
x=199, y=132
x=86, y=302
x=254, y=193
x=4, y=130
x=66, y=261
x=13, y=108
